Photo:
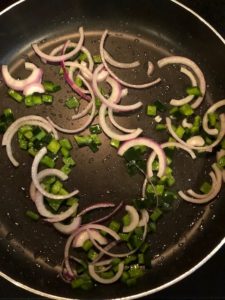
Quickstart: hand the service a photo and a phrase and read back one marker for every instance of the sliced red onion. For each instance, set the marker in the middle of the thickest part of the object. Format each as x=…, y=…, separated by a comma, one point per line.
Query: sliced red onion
x=96, y=206
x=150, y=144
x=118, y=126
x=144, y=218
x=19, y=85
x=186, y=124
x=163, y=146
x=102, y=228
x=59, y=58
x=216, y=187
x=88, y=121
x=32, y=192
x=116, y=209
x=203, y=148
x=188, y=98
x=75, y=65
x=212, y=109
x=102, y=262
x=118, y=64
x=32, y=88
x=95, y=276
x=85, y=235
x=68, y=228
x=115, y=95
x=109, y=132
x=193, y=66
x=135, y=86
x=150, y=68
x=83, y=113
x=34, y=175
x=63, y=215
x=196, y=140
x=134, y=217
x=220, y=154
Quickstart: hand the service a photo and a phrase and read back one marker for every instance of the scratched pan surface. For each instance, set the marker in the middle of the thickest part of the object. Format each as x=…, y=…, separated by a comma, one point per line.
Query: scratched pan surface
x=147, y=30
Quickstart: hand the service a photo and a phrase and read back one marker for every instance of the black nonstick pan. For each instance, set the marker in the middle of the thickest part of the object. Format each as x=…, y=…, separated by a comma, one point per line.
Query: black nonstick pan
x=187, y=236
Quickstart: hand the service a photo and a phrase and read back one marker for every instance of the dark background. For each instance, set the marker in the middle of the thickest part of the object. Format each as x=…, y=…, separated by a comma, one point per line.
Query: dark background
x=209, y=281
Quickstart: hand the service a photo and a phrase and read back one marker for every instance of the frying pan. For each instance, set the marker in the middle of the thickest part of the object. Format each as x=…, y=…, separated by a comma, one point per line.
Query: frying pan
x=187, y=236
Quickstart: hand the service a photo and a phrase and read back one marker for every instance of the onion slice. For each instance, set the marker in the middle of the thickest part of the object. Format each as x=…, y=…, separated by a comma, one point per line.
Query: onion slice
x=59, y=58
x=95, y=276
x=193, y=66
x=134, y=219
x=34, y=175
x=124, y=83
x=144, y=218
x=19, y=85
x=118, y=64
x=114, y=122
x=212, y=109
x=68, y=228
x=150, y=144
x=81, y=238
x=32, y=88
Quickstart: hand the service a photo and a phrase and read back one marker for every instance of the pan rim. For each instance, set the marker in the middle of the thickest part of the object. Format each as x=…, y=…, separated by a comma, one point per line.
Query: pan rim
x=171, y=282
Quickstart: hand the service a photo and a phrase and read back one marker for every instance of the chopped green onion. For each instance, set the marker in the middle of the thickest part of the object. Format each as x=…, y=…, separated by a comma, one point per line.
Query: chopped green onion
x=129, y=259
x=115, y=143
x=83, y=140
x=186, y=110
x=56, y=187
x=72, y=102
x=54, y=146
x=97, y=59
x=32, y=215
x=213, y=118
x=205, y=187
x=78, y=81
x=221, y=162
x=46, y=160
x=194, y=90
x=47, y=98
x=54, y=204
x=92, y=254
x=160, y=106
x=66, y=169
x=114, y=225
x=124, y=236
x=51, y=87
x=65, y=143
x=87, y=245
x=160, y=127
x=69, y=161
x=151, y=110
x=180, y=131
x=65, y=152
x=37, y=99
x=156, y=214
x=82, y=57
x=95, y=129
x=15, y=95
x=135, y=271
x=126, y=220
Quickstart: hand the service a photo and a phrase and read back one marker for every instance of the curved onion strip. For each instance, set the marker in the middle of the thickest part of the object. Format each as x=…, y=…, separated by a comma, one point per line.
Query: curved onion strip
x=116, y=92
x=83, y=113
x=114, y=122
x=35, y=87
x=163, y=146
x=96, y=206
x=75, y=65
x=32, y=192
x=196, y=140
x=68, y=228
x=9, y=134
x=150, y=144
x=220, y=154
x=102, y=262
x=19, y=85
x=109, y=132
x=34, y=173
x=211, y=195
x=143, y=190
x=85, y=235
x=88, y=121
x=223, y=174
x=212, y=109
x=100, y=220
x=204, y=148
x=103, y=228
x=186, y=124
x=118, y=64
x=107, y=248
x=202, y=196
x=144, y=218
x=150, y=68
x=64, y=215
x=59, y=58
x=136, y=86
x=193, y=66
x=134, y=219
x=189, y=98
x=95, y=276
x=60, y=48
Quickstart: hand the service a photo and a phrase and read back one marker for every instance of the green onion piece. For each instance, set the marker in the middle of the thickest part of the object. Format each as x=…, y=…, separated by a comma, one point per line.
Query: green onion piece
x=47, y=98
x=83, y=282
x=63, y=192
x=124, y=277
x=72, y=102
x=107, y=275
x=69, y=161
x=186, y=110
x=160, y=127
x=33, y=152
x=46, y=160
x=205, y=187
x=28, y=135
x=54, y=204
x=174, y=111
x=97, y=59
x=114, y=225
x=135, y=271
x=95, y=129
x=194, y=90
x=124, y=236
x=56, y=187
x=66, y=169
x=54, y=146
x=70, y=201
x=160, y=106
x=65, y=143
x=65, y=152
x=51, y=87
x=23, y=144
x=29, y=101
x=92, y=254
x=15, y=95
x=221, y=162
x=115, y=143
x=156, y=214
x=141, y=259
x=213, y=118
x=144, y=247
x=98, y=103
x=115, y=261
x=129, y=259
x=82, y=57
x=87, y=245
x=152, y=227
x=37, y=99
x=32, y=215
x=223, y=144
x=83, y=140
x=78, y=82
x=151, y=110
x=180, y=131
x=126, y=220
x=96, y=139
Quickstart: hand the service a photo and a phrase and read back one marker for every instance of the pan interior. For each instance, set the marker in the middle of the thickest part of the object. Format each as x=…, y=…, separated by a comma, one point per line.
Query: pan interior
x=36, y=247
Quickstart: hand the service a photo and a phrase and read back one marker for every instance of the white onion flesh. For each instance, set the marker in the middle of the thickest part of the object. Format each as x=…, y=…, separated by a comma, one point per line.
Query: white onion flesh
x=186, y=124
x=220, y=154
x=150, y=144
x=124, y=83
x=196, y=141
x=118, y=64
x=189, y=98
x=134, y=219
x=212, y=109
x=85, y=235
x=196, y=70
x=32, y=88
x=150, y=68
x=19, y=85
x=34, y=175
x=68, y=228
x=144, y=218
x=59, y=58
x=95, y=276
